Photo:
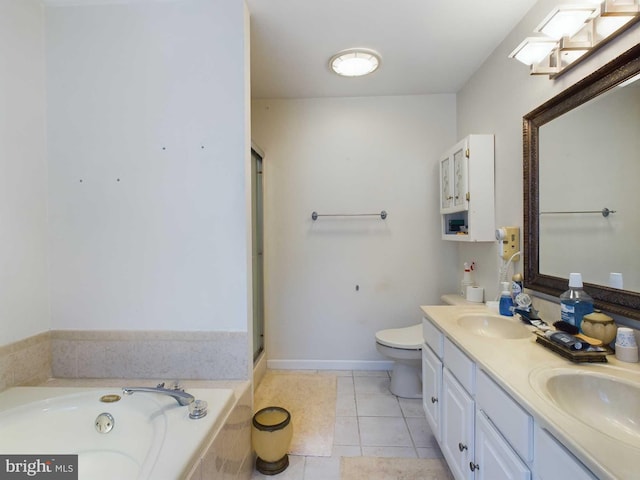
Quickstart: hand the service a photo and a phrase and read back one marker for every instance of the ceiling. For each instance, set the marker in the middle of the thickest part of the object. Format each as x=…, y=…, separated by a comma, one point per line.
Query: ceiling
x=427, y=46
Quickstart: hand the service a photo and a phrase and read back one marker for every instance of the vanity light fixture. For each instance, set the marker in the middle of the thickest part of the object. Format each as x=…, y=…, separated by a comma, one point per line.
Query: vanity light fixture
x=572, y=32
x=355, y=62
x=533, y=50
x=566, y=20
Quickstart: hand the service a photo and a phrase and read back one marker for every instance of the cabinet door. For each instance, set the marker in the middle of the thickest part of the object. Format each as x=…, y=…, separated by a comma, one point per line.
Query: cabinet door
x=460, y=184
x=552, y=461
x=446, y=183
x=457, y=427
x=494, y=458
x=431, y=389
x=454, y=179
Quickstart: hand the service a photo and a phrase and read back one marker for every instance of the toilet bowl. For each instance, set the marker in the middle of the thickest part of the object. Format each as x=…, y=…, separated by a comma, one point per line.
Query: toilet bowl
x=404, y=347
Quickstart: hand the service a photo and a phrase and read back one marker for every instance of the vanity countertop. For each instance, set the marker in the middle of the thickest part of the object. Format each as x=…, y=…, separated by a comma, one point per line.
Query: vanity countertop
x=511, y=362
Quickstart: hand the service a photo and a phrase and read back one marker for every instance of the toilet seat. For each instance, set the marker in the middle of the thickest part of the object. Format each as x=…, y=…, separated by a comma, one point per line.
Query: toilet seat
x=407, y=338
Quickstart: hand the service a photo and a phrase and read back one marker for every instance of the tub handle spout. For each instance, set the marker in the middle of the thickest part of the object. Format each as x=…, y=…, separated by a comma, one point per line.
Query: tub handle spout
x=183, y=398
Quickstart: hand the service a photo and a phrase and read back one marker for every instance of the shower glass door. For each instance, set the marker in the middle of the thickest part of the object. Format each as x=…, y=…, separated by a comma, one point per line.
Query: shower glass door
x=257, y=225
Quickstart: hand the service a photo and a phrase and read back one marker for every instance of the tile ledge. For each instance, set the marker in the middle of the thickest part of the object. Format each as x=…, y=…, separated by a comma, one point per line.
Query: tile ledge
x=136, y=335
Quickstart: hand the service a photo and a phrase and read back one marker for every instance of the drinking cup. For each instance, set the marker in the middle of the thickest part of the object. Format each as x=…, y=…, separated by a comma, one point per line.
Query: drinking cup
x=625, y=337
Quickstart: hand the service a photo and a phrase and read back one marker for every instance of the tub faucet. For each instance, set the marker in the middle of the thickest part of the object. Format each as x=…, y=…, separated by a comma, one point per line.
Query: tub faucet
x=183, y=398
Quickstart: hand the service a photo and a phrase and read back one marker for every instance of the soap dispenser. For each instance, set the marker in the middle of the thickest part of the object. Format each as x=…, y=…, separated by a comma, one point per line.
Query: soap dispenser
x=506, y=302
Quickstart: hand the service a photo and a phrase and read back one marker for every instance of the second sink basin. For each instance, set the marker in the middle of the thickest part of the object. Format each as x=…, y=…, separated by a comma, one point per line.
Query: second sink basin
x=606, y=400
x=494, y=326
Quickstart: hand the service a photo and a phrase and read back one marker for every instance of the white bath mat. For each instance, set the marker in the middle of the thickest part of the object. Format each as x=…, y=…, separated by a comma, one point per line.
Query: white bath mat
x=376, y=468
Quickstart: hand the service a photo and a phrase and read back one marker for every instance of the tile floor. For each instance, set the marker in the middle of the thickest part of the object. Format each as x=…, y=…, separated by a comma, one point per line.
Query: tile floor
x=370, y=421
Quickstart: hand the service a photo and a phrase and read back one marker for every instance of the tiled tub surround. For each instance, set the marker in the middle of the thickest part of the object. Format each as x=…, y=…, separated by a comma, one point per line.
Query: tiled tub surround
x=149, y=354
x=124, y=354
x=227, y=455
x=25, y=362
x=510, y=363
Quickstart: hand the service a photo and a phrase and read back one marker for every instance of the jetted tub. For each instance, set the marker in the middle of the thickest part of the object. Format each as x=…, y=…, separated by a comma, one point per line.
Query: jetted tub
x=152, y=436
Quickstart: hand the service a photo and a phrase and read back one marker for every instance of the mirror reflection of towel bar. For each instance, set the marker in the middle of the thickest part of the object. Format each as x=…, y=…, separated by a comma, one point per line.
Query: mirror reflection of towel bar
x=604, y=212
x=382, y=215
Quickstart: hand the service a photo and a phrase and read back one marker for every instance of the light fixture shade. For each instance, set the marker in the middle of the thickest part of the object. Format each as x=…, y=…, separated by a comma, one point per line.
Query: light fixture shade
x=620, y=7
x=355, y=62
x=566, y=20
x=607, y=25
x=533, y=50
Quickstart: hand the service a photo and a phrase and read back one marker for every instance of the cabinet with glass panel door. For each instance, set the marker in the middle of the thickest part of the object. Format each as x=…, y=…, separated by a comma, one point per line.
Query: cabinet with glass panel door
x=467, y=190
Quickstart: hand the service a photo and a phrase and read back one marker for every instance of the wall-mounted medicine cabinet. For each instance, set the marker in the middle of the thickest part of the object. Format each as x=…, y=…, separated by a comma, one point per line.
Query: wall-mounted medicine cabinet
x=467, y=190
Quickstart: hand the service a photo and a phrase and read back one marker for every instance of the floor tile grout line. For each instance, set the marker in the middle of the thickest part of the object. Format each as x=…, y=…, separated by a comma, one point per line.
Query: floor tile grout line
x=413, y=442
x=355, y=403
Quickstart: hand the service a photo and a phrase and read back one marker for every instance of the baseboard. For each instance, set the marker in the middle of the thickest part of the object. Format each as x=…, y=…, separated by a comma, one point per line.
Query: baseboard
x=330, y=364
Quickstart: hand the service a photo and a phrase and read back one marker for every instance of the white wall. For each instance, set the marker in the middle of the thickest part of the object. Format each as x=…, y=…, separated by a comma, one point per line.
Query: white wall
x=24, y=309
x=351, y=155
x=495, y=99
x=148, y=149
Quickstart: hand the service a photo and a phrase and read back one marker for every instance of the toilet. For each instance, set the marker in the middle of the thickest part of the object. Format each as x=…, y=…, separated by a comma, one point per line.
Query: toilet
x=404, y=347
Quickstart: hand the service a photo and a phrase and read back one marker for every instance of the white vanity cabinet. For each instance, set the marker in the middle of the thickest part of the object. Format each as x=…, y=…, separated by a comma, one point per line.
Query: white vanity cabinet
x=467, y=190
x=460, y=401
x=483, y=431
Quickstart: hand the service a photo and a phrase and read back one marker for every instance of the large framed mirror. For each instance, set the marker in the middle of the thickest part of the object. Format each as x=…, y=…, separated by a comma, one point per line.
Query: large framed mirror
x=582, y=188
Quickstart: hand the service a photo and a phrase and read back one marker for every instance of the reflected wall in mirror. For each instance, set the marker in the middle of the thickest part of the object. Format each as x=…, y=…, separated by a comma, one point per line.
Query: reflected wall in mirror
x=581, y=156
x=588, y=162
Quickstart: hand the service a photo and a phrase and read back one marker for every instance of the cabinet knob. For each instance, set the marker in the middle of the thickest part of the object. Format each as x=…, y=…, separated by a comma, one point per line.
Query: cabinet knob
x=462, y=447
x=473, y=466
x=434, y=400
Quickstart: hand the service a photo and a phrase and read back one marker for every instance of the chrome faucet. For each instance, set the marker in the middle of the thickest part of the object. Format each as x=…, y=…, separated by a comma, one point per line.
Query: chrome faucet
x=183, y=398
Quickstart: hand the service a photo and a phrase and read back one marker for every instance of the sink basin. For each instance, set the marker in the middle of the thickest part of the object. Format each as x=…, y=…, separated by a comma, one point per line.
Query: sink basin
x=494, y=326
x=607, y=402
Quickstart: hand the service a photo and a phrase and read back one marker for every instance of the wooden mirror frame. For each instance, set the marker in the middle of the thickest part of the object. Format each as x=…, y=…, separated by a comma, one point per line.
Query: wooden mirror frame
x=620, y=302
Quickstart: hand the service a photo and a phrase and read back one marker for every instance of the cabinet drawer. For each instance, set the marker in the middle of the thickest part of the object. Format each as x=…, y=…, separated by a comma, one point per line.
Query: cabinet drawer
x=432, y=337
x=553, y=461
x=460, y=365
x=515, y=424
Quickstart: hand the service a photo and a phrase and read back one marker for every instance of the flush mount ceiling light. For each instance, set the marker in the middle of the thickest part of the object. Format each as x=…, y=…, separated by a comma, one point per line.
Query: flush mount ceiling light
x=355, y=62
x=571, y=33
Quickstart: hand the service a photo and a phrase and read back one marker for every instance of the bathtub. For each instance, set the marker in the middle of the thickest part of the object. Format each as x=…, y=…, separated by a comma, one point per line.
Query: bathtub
x=152, y=436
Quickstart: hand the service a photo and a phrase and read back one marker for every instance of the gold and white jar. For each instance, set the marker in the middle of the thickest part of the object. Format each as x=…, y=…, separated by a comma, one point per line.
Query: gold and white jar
x=600, y=326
